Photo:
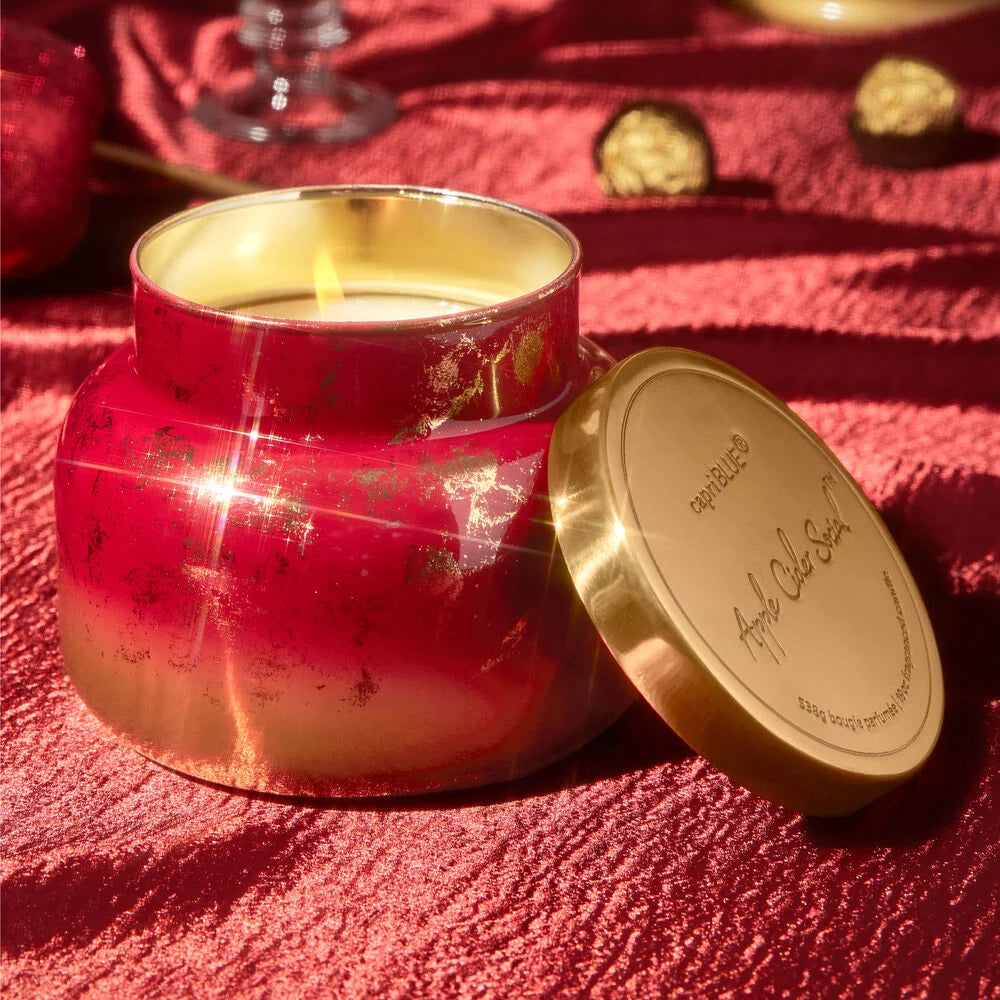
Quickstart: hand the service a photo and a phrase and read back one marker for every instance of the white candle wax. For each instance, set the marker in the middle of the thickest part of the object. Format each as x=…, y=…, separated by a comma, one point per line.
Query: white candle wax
x=358, y=307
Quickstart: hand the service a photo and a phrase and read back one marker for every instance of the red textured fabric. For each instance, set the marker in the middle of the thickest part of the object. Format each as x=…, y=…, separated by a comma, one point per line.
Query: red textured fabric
x=867, y=297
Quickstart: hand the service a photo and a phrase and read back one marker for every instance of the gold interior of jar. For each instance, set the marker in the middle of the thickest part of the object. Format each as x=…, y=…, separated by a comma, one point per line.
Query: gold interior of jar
x=260, y=248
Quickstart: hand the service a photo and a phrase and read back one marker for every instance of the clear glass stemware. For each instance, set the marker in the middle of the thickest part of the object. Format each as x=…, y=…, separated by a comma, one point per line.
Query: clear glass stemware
x=295, y=96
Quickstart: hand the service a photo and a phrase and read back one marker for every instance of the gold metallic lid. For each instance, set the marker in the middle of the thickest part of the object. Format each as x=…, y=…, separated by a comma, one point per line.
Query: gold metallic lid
x=744, y=582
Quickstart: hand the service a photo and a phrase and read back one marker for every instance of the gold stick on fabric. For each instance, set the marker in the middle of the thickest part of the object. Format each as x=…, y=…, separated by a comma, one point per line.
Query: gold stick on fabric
x=198, y=180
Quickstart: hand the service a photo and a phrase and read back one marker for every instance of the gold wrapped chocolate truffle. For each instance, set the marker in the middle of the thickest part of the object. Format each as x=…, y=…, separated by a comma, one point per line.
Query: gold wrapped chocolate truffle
x=906, y=114
x=653, y=148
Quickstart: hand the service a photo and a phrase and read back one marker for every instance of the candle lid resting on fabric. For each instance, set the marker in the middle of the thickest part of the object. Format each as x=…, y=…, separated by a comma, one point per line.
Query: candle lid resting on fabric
x=744, y=582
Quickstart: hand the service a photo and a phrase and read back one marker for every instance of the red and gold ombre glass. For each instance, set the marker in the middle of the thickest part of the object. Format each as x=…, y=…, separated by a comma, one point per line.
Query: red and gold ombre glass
x=304, y=535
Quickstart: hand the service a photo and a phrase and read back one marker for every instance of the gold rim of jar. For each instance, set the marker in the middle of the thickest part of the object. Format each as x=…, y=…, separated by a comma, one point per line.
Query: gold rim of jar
x=506, y=308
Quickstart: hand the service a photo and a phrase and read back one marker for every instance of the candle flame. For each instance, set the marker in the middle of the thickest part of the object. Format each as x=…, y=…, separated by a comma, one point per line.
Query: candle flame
x=327, y=283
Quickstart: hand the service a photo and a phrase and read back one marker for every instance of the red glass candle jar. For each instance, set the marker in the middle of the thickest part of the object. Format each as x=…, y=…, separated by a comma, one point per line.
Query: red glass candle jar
x=306, y=547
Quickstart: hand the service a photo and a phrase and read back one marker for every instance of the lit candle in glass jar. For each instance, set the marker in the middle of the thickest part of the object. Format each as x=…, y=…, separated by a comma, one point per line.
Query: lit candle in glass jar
x=356, y=306
x=333, y=301
x=317, y=558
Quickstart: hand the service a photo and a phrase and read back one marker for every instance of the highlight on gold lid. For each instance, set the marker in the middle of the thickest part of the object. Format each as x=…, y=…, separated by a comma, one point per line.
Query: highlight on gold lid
x=744, y=583
x=653, y=147
x=848, y=16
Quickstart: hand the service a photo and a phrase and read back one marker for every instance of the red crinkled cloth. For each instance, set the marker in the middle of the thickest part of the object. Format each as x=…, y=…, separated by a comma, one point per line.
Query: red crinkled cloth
x=866, y=297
